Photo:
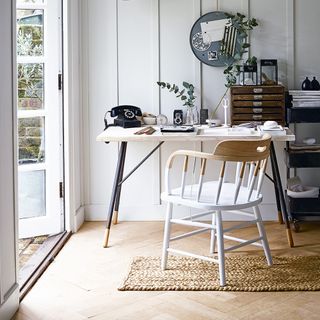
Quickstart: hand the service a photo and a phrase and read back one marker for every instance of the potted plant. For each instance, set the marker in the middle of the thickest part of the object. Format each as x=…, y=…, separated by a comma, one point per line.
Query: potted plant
x=187, y=96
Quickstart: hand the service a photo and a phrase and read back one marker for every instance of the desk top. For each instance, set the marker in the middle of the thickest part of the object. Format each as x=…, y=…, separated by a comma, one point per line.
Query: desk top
x=203, y=133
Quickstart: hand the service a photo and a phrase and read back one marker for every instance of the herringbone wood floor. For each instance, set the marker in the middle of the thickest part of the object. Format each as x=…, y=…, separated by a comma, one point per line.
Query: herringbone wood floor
x=82, y=282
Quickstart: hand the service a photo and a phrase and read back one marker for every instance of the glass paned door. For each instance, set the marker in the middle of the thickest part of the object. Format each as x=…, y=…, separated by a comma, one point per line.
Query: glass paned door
x=39, y=53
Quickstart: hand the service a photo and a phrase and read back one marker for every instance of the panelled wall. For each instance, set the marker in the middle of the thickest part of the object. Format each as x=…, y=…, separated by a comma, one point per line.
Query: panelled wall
x=129, y=45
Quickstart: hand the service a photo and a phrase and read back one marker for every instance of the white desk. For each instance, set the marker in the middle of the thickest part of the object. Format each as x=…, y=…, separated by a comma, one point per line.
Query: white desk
x=118, y=134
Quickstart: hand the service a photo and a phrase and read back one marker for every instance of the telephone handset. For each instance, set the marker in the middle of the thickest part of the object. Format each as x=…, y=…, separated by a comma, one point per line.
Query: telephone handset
x=126, y=116
x=127, y=112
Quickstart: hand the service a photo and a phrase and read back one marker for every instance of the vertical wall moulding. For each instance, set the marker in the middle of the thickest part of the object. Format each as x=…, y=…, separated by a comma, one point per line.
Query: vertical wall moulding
x=84, y=59
x=117, y=57
x=197, y=8
x=245, y=9
x=156, y=98
x=290, y=5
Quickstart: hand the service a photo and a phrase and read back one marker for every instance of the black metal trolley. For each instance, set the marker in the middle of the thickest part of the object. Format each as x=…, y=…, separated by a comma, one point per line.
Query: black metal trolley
x=302, y=209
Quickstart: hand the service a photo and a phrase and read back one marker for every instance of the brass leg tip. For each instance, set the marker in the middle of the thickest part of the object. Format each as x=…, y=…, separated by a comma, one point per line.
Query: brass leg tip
x=290, y=239
x=280, y=217
x=115, y=217
x=106, y=238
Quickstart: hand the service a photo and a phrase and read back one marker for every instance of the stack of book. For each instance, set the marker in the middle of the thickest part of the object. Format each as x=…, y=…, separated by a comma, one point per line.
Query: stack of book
x=305, y=98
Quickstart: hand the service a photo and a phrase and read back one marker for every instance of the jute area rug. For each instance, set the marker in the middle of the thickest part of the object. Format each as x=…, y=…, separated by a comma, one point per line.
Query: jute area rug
x=243, y=273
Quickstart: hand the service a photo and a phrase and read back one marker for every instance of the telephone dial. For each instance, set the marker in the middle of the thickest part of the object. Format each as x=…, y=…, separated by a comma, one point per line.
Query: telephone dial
x=126, y=116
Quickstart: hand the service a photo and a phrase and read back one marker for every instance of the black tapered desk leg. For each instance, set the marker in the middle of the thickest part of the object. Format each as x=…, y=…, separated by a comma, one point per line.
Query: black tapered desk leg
x=116, y=206
x=276, y=192
x=115, y=189
x=279, y=190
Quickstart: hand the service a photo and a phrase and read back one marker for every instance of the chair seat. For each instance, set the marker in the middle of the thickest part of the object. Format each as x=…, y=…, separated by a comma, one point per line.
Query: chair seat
x=208, y=197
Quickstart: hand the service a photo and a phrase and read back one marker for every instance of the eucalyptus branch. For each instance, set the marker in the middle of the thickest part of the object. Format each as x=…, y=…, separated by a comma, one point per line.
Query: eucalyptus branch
x=187, y=98
x=243, y=27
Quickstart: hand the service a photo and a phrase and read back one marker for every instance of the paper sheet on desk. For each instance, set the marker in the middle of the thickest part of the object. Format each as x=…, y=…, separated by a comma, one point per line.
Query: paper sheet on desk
x=213, y=30
x=230, y=131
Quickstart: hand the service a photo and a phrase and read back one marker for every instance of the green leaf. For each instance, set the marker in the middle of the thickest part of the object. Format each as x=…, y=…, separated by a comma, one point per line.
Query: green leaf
x=186, y=84
x=237, y=56
x=176, y=89
x=168, y=85
x=245, y=45
x=183, y=97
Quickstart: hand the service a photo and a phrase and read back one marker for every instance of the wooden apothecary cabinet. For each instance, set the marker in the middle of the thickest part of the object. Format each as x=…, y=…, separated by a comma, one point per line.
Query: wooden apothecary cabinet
x=257, y=103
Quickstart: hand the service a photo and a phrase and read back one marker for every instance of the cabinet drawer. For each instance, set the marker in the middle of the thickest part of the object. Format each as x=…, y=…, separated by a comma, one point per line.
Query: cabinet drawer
x=257, y=97
x=257, y=117
x=257, y=110
x=256, y=89
x=270, y=104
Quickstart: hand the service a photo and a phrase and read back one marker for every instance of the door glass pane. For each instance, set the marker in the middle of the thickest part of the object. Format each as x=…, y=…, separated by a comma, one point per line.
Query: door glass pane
x=29, y=1
x=29, y=32
x=30, y=86
x=32, y=194
x=31, y=140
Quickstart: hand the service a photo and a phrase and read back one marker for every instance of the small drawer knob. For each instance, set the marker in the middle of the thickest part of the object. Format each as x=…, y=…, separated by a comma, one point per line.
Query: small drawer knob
x=257, y=97
x=257, y=90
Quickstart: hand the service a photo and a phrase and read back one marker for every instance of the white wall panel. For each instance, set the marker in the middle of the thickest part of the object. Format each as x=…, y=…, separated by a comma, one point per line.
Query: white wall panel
x=307, y=47
x=102, y=95
x=177, y=62
x=133, y=43
x=137, y=81
x=269, y=39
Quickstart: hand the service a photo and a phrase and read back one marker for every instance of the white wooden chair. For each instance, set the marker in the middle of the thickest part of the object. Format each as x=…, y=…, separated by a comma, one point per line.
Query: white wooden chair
x=244, y=191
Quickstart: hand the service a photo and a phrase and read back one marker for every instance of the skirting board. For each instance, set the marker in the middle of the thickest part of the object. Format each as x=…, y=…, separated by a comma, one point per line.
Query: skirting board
x=98, y=212
x=79, y=218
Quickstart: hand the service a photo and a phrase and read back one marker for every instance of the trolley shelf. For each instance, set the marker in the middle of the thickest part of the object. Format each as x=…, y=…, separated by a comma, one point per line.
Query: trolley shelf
x=303, y=114
x=303, y=206
x=300, y=159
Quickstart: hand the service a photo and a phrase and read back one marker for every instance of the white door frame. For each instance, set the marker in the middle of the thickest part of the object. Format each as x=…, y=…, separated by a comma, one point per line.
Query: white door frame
x=52, y=221
x=73, y=114
x=9, y=289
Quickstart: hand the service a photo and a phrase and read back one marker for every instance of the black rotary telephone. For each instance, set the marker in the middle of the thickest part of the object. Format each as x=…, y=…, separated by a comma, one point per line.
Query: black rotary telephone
x=126, y=116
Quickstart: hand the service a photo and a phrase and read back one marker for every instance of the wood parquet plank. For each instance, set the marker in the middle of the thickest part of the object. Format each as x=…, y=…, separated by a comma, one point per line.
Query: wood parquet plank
x=82, y=282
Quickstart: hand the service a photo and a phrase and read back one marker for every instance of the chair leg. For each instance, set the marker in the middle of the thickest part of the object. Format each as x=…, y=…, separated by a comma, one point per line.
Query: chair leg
x=166, y=237
x=262, y=233
x=213, y=235
x=220, y=249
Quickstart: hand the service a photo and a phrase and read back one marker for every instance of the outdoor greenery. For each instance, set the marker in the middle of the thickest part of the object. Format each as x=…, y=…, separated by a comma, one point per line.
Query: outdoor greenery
x=30, y=86
x=30, y=75
x=29, y=40
x=30, y=137
x=186, y=94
